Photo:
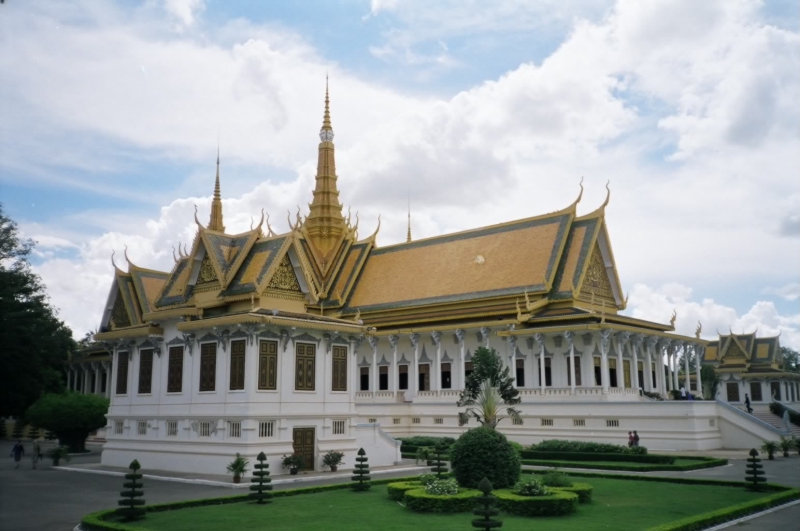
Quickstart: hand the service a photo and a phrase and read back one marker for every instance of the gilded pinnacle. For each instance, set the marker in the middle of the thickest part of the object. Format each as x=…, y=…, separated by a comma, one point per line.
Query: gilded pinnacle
x=326, y=118
x=215, y=223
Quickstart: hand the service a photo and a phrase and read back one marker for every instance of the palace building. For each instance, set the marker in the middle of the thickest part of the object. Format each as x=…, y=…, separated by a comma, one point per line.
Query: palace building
x=318, y=339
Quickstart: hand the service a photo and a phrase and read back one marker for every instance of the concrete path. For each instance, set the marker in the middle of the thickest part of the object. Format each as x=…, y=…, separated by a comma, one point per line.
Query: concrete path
x=54, y=500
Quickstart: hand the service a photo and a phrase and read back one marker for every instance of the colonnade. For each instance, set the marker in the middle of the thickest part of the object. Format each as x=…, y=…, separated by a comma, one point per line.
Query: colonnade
x=85, y=384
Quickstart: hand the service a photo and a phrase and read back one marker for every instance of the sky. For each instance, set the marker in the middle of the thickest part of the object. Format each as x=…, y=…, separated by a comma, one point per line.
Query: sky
x=476, y=112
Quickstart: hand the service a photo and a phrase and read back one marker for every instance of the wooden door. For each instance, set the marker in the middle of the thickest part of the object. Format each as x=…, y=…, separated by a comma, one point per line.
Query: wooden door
x=303, y=440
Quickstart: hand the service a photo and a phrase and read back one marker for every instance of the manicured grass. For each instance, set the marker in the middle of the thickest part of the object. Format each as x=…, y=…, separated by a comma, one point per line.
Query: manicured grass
x=679, y=464
x=617, y=504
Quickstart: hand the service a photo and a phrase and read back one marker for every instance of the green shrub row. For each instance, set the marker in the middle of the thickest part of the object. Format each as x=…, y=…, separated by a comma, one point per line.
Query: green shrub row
x=706, y=520
x=421, y=502
x=707, y=462
x=410, y=444
x=558, y=502
x=598, y=456
x=558, y=445
x=398, y=490
x=583, y=490
x=103, y=520
x=664, y=479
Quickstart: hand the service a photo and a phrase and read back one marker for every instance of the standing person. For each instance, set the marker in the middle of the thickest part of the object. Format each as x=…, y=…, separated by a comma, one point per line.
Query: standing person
x=17, y=452
x=635, y=438
x=36, y=454
x=747, y=403
x=630, y=439
x=683, y=393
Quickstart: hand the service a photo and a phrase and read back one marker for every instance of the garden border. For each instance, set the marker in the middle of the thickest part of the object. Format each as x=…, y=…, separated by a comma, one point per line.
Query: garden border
x=558, y=503
x=707, y=462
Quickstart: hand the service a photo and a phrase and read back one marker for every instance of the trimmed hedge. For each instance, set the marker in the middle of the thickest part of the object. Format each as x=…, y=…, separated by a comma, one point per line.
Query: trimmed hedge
x=421, y=502
x=705, y=520
x=484, y=453
x=598, y=456
x=583, y=490
x=558, y=445
x=558, y=502
x=705, y=462
x=399, y=489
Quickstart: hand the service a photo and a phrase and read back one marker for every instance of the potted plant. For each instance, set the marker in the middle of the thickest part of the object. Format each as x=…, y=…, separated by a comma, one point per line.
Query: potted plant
x=293, y=463
x=770, y=447
x=57, y=454
x=786, y=445
x=238, y=467
x=333, y=459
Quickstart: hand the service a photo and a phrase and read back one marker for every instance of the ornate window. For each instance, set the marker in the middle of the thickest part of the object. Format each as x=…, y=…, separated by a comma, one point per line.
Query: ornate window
x=122, y=373
x=237, y=365
x=118, y=425
x=402, y=378
x=383, y=378
x=175, y=370
x=268, y=365
x=446, y=376
x=305, y=367
x=733, y=391
x=612, y=423
x=520, y=374
x=145, y=371
x=208, y=366
x=172, y=428
x=141, y=427
x=235, y=428
x=266, y=428
x=339, y=427
x=204, y=429
x=547, y=422
x=339, y=369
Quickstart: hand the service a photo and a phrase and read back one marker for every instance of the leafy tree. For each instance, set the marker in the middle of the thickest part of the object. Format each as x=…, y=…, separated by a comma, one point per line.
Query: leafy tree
x=131, y=502
x=484, y=453
x=36, y=344
x=710, y=380
x=487, y=387
x=71, y=416
x=262, y=483
x=791, y=359
x=361, y=478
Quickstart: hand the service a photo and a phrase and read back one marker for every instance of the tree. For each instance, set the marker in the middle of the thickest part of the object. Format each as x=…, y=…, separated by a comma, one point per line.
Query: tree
x=487, y=387
x=439, y=466
x=262, y=487
x=791, y=359
x=36, y=344
x=710, y=380
x=487, y=509
x=131, y=502
x=71, y=416
x=484, y=453
x=361, y=478
x=755, y=472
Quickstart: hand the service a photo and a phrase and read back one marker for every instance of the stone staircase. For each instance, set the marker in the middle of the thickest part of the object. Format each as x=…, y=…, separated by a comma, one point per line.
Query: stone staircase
x=776, y=421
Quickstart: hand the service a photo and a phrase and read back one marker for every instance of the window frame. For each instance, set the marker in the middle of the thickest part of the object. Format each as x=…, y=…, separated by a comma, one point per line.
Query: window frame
x=339, y=368
x=122, y=376
x=238, y=365
x=175, y=369
x=210, y=381
x=302, y=362
x=267, y=365
x=145, y=371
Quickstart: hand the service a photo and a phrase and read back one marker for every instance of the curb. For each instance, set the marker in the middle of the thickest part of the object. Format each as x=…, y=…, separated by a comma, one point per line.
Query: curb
x=752, y=516
x=242, y=485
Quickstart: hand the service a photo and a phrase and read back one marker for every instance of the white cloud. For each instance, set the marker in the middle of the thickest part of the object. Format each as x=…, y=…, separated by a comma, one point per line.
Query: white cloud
x=647, y=82
x=184, y=10
x=657, y=304
x=790, y=291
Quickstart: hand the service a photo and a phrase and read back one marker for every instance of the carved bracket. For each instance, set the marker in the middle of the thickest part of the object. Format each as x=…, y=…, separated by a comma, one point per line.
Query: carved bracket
x=414, y=338
x=437, y=338
x=393, y=339
x=285, y=337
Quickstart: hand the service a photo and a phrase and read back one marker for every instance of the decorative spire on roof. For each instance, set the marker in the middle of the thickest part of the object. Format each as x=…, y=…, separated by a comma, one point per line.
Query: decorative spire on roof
x=215, y=223
x=325, y=223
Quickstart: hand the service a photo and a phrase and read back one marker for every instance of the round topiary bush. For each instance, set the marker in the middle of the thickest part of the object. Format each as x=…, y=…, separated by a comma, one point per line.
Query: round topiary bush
x=484, y=453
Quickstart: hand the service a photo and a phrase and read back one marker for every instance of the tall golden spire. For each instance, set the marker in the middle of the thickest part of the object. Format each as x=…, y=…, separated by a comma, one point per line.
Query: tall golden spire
x=325, y=223
x=408, y=238
x=215, y=223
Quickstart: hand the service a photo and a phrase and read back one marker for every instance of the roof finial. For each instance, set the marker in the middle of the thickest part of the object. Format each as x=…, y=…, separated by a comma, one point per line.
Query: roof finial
x=326, y=118
x=408, y=237
x=215, y=223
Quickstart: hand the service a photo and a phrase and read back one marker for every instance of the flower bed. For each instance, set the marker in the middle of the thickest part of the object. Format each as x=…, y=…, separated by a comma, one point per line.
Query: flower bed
x=558, y=502
x=420, y=501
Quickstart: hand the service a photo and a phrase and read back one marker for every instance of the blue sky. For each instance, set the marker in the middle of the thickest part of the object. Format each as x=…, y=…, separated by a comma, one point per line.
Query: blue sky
x=483, y=111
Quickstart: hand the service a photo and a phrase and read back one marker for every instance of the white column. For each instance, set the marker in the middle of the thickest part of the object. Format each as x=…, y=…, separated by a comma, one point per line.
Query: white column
x=635, y=363
x=540, y=341
x=393, y=339
x=569, y=337
x=373, y=380
x=107, y=372
x=436, y=373
x=686, y=367
x=86, y=382
x=605, y=339
x=512, y=358
x=414, y=383
x=652, y=360
x=353, y=384
x=648, y=365
x=462, y=347
x=676, y=381
x=619, y=344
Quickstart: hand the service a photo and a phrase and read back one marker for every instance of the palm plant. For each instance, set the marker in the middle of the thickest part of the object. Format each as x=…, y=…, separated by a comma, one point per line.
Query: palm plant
x=238, y=467
x=770, y=447
x=486, y=407
x=786, y=445
x=796, y=442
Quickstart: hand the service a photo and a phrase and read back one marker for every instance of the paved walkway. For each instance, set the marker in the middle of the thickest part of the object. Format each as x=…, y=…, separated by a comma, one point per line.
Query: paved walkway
x=55, y=500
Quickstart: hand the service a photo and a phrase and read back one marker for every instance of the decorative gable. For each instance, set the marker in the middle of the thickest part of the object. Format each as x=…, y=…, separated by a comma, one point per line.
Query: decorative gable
x=284, y=278
x=207, y=276
x=119, y=314
x=596, y=283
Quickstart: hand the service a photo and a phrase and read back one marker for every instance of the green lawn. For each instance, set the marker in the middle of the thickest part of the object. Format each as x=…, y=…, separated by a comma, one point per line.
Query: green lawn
x=679, y=463
x=617, y=504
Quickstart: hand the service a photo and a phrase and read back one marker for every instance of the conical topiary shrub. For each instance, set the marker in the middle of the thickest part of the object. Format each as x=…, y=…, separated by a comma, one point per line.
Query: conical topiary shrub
x=262, y=482
x=131, y=504
x=487, y=508
x=19, y=429
x=439, y=465
x=755, y=471
x=361, y=475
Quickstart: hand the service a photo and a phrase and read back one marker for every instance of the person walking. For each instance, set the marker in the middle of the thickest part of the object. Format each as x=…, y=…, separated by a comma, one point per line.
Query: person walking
x=747, y=403
x=36, y=454
x=635, y=438
x=630, y=439
x=17, y=452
